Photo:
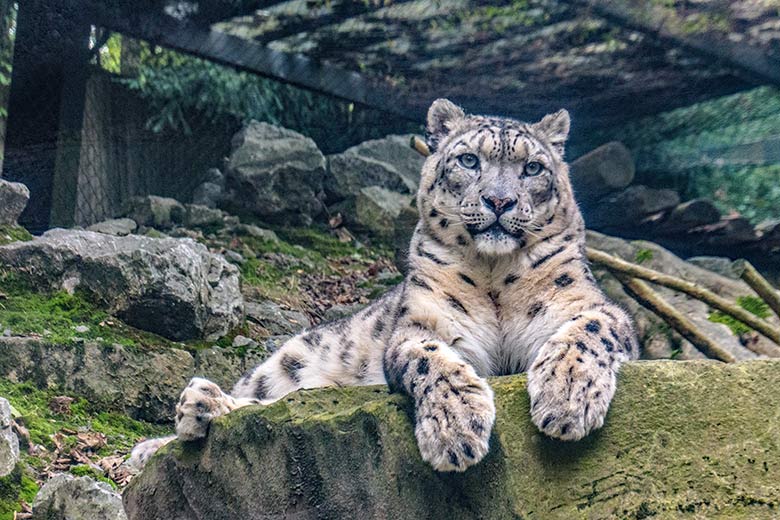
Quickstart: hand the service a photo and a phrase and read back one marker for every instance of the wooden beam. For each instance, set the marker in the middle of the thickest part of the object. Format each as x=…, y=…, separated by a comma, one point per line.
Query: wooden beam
x=649, y=18
x=290, y=25
x=251, y=56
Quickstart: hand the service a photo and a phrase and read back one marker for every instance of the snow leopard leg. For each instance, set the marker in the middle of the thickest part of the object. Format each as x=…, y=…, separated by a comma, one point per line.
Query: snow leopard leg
x=574, y=376
x=454, y=410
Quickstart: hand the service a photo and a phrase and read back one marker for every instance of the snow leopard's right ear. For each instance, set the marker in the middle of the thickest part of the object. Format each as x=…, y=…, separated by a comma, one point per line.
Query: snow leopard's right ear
x=443, y=115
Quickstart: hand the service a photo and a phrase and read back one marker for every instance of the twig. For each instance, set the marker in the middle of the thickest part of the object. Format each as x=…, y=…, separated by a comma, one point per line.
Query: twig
x=642, y=293
x=420, y=146
x=619, y=265
x=758, y=283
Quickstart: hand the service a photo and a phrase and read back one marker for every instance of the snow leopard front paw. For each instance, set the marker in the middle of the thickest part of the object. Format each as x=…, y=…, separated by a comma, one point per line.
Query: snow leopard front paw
x=455, y=415
x=199, y=404
x=570, y=394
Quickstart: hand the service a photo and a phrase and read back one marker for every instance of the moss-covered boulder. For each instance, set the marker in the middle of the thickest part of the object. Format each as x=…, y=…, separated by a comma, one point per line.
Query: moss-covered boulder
x=683, y=439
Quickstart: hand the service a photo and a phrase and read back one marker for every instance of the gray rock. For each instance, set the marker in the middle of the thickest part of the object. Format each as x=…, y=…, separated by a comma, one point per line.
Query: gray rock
x=144, y=383
x=718, y=264
x=154, y=211
x=258, y=232
x=627, y=208
x=175, y=288
x=389, y=163
x=233, y=257
x=681, y=441
x=9, y=443
x=275, y=320
x=118, y=227
x=378, y=210
x=339, y=311
x=13, y=200
x=274, y=343
x=208, y=194
x=275, y=173
x=606, y=169
x=66, y=497
x=198, y=216
x=242, y=341
x=688, y=215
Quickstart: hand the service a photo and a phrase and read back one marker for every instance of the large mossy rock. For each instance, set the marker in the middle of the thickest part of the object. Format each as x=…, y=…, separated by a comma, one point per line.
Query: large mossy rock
x=683, y=440
x=172, y=287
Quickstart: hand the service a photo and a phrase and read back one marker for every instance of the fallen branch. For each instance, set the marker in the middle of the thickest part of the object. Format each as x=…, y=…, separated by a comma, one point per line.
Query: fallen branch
x=758, y=283
x=642, y=293
x=618, y=265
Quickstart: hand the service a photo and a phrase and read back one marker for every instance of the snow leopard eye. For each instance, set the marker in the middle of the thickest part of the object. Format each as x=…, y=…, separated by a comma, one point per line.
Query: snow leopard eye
x=533, y=168
x=469, y=161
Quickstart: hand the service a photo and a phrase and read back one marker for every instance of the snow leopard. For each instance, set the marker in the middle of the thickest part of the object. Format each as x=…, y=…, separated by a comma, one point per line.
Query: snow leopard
x=497, y=284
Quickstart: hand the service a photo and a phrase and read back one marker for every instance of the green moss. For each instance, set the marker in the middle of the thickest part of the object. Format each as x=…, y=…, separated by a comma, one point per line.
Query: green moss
x=643, y=255
x=56, y=316
x=82, y=470
x=752, y=304
x=15, y=488
x=32, y=405
x=10, y=234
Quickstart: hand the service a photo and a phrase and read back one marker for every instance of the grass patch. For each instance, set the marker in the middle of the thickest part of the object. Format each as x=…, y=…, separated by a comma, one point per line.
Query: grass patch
x=751, y=304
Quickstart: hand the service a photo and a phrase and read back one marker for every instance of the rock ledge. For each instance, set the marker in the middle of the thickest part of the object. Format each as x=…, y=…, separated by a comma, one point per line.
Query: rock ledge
x=683, y=439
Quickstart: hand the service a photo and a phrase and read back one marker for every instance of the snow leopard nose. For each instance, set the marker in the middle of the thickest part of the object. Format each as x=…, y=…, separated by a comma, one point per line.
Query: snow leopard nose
x=499, y=205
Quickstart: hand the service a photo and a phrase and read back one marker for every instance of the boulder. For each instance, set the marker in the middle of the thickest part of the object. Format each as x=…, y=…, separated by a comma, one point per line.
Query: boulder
x=198, y=216
x=207, y=194
x=377, y=210
x=172, y=287
x=118, y=227
x=598, y=173
x=688, y=215
x=627, y=208
x=154, y=211
x=144, y=383
x=729, y=231
x=682, y=438
x=66, y=497
x=13, y=200
x=275, y=320
x=389, y=163
x=9, y=443
x=276, y=174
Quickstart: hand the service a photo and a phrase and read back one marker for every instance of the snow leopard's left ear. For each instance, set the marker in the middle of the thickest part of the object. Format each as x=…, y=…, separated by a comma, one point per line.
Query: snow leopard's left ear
x=555, y=127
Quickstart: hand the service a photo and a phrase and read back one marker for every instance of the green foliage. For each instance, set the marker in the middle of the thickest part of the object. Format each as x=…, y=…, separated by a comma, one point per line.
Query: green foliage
x=720, y=149
x=185, y=93
x=643, y=255
x=752, y=304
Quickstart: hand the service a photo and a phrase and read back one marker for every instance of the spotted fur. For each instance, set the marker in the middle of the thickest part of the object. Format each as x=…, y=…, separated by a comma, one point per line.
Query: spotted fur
x=498, y=284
